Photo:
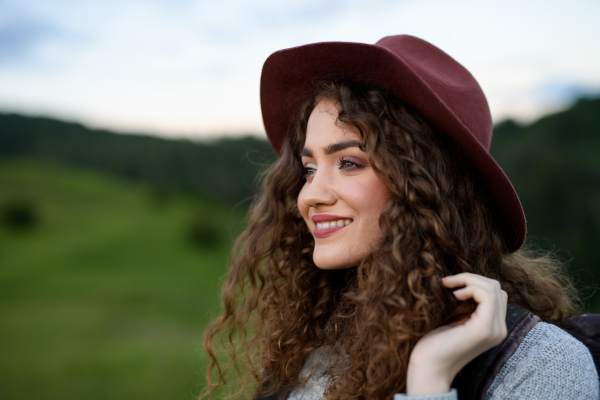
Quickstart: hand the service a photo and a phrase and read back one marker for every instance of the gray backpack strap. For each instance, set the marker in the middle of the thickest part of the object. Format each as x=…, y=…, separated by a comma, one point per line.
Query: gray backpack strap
x=475, y=379
x=586, y=329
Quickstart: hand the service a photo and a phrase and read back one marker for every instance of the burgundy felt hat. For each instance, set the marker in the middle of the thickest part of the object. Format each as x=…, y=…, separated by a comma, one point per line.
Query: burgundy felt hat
x=412, y=70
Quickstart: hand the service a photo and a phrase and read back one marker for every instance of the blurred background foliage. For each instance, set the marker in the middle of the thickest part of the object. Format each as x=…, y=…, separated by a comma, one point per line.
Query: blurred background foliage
x=113, y=247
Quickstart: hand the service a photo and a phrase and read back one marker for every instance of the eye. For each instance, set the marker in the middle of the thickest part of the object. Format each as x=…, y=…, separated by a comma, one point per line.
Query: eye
x=346, y=164
x=307, y=172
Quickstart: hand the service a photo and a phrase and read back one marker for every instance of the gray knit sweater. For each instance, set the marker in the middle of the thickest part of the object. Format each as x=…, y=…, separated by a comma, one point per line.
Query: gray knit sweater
x=549, y=364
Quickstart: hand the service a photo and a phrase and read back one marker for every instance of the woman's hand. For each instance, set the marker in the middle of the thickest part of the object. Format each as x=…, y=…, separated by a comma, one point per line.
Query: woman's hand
x=443, y=352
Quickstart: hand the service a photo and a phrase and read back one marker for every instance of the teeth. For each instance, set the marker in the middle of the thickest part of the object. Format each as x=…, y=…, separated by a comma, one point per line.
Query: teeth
x=333, y=224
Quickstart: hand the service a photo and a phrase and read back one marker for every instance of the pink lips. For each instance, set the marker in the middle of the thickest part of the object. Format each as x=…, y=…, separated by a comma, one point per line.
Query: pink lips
x=317, y=218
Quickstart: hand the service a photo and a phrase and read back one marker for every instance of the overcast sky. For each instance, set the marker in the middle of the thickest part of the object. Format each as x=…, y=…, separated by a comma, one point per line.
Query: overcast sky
x=186, y=68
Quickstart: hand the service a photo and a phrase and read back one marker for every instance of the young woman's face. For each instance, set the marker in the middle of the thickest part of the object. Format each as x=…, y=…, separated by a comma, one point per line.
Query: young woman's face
x=342, y=198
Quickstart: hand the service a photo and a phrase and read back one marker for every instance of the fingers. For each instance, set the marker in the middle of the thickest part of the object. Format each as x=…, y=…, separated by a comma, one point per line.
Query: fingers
x=490, y=298
x=475, y=287
x=487, y=301
x=485, y=298
x=466, y=278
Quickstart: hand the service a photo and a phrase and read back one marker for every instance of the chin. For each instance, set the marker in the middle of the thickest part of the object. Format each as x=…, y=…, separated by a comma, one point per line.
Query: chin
x=325, y=265
x=338, y=260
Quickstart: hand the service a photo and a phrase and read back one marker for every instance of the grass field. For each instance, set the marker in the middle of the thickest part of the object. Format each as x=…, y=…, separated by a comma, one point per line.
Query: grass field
x=106, y=297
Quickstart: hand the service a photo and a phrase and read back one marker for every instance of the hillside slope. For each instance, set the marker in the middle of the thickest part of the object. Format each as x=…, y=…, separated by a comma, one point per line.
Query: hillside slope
x=106, y=296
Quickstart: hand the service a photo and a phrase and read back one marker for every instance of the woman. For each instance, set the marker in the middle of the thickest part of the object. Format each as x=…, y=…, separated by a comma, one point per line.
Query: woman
x=379, y=258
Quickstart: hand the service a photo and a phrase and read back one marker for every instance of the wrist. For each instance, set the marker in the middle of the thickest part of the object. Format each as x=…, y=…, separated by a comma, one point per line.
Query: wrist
x=427, y=380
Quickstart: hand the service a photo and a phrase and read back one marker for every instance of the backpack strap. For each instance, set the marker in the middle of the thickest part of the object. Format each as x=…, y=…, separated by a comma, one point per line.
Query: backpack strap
x=586, y=329
x=475, y=379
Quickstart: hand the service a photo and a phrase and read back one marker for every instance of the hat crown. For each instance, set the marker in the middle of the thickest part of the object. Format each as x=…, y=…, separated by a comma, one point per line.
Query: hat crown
x=452, y=83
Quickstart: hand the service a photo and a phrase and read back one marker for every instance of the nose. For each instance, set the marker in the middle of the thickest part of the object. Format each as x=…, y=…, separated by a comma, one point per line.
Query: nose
x=318, y=191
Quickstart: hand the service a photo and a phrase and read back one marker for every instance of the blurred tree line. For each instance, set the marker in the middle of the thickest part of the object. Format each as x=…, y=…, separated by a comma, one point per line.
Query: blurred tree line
x=553, y=163
x=223, y=170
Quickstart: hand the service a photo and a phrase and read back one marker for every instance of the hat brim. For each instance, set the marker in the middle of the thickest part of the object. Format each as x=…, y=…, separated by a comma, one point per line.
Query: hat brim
x=287, y=82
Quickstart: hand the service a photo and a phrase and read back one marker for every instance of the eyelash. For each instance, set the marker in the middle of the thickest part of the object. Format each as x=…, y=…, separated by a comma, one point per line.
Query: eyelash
x=340, y=164
x=341, y=161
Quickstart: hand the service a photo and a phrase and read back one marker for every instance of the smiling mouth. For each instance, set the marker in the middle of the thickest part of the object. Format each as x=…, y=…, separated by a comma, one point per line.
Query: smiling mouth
x=333, y=224
x=327, y=228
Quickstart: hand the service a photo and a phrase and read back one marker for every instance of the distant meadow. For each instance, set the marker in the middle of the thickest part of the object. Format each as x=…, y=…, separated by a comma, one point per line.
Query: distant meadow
x=113, y=248
x=105, y=289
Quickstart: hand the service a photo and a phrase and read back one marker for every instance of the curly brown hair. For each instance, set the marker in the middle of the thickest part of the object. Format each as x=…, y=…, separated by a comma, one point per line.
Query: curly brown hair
x=278, y=306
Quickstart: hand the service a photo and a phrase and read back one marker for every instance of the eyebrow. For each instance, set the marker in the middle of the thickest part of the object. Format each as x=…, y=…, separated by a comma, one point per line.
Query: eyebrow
x=332, y=148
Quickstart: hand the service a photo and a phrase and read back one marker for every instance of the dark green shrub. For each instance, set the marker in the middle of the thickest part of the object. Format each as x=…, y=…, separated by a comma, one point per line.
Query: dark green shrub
x=204, y=233
x=19, y=214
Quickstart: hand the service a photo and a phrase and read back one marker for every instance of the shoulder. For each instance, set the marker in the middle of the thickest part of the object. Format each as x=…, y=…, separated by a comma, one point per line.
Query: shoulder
x=548, y=364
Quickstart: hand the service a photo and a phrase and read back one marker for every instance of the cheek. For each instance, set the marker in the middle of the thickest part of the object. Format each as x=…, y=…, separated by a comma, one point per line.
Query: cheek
x=369, y=197
x=380, y=196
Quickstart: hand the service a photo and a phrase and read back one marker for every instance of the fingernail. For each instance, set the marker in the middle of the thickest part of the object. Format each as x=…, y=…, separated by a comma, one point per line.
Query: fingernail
x=446, y=277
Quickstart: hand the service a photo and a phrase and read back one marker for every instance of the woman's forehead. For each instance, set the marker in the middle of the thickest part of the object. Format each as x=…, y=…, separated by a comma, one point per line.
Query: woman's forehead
x=326, y=132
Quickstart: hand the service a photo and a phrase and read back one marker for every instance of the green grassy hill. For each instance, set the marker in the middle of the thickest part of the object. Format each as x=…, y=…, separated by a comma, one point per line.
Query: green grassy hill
x=106, y=293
